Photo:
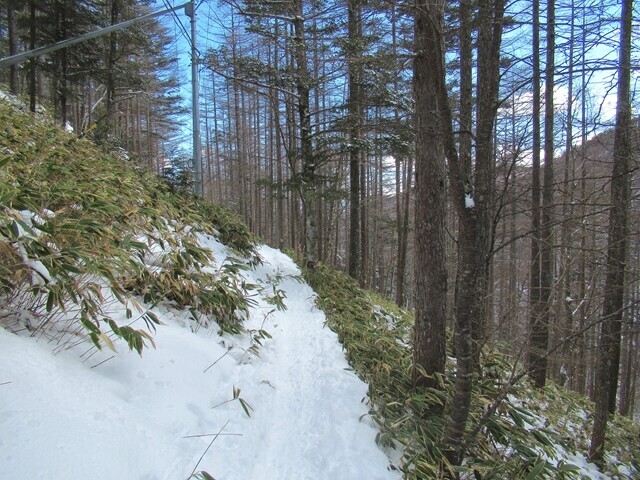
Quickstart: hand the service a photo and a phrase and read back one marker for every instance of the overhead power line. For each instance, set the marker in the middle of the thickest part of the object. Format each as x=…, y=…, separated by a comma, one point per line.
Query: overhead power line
x=21, y=57
x=189, y=8
x=178, y=23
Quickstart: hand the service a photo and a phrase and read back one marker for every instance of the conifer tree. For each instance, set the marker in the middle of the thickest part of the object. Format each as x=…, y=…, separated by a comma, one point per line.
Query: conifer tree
x=618, y=235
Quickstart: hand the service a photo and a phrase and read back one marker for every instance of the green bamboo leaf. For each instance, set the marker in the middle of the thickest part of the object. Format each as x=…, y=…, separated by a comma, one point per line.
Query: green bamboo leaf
x=114, y=327
x=148, y=337
x=536, y=470
x=246, y=407
x=15, y=230
x=118, y=294
x=72, y=269
x=90, y=326
x=6, y=195
x=542, y=438
x=107, y=341
x=153, y=317
x=50, y=301
x=96, y=340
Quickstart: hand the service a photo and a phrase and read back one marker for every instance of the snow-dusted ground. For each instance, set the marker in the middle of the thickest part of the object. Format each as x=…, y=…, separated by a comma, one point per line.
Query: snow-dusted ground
x=84, y=413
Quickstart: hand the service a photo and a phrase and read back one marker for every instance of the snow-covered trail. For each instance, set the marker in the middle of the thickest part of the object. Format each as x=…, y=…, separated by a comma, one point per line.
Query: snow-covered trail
x=316, y=402
x=307, y=421
x=119, y=416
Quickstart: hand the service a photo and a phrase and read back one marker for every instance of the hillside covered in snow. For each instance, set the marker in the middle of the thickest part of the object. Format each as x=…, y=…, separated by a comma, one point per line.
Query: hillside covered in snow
x=277, y=401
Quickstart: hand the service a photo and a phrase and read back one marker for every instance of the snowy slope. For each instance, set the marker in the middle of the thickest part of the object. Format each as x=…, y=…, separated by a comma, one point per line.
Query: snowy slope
x=97, y=414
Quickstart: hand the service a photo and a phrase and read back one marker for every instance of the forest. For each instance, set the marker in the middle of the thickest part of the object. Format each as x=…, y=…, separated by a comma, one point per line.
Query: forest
x=473, y=160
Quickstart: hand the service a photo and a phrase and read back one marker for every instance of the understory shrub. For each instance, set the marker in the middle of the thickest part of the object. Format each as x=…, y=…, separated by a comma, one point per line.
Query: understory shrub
x=507, y=436
x=79, y=228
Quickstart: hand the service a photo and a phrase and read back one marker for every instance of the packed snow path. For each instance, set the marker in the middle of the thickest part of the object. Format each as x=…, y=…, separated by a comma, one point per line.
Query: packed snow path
x=310, y=423
x=118, y=416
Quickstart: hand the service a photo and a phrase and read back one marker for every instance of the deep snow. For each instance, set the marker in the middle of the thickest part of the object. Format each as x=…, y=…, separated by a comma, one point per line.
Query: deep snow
x=83, y=413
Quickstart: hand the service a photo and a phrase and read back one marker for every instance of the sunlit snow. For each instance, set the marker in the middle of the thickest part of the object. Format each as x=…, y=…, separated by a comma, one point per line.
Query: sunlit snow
x=468, y=201
x=198, y=402
x=84, y=413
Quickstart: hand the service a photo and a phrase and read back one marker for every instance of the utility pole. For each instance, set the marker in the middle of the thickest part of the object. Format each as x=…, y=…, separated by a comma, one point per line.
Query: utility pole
x=190, y=11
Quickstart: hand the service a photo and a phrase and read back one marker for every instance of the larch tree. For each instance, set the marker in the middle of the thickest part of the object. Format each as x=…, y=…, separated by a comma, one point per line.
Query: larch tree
x=353, y=52
x=547, y=267
x=612, y=309
x=12, y=37
x=296, y=20
x=74, y=80
x=430, y=265
x=307, y=154
x=472, y=195
x=537, y=344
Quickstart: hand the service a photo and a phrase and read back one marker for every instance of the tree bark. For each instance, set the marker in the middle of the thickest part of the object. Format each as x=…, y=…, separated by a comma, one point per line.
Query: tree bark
x=609, y=361
x=430, y=263
x=566, y=251
x=473, y=202
x=580, y=311
x=546, y=232
x=13, y=45
x=354, y=8
x=33, y=64
x=536, y=349
x=111, y=63
x=403, y=232
x=489, y=40
x=307, y=155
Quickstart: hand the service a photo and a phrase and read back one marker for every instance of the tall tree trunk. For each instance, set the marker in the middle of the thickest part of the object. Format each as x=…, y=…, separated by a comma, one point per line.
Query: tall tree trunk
x=546, y=233
x=207, y=182
x=364, y=220
x=489, y=41
x=466, y=85
x=473, y=202
x=536, y=349
x=627, y=354
x=430, y=260
x=216, y=139
x=580, y=311
x=403, y=232
x=566, y=252
x=33, y=67
x=275, y=107
x=13, y=45
x=404, y=178
x=291, y=148
x=111, y=63
x=354, y=8
x=307, y=155
x=60, y=61
x=613, y=303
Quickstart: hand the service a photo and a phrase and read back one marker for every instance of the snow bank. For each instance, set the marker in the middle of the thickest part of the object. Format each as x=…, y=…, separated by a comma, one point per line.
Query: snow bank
x=103, y=415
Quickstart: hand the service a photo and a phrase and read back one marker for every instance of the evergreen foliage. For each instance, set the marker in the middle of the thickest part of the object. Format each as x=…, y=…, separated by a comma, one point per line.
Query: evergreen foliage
x=80, y=227
x=121, y=88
